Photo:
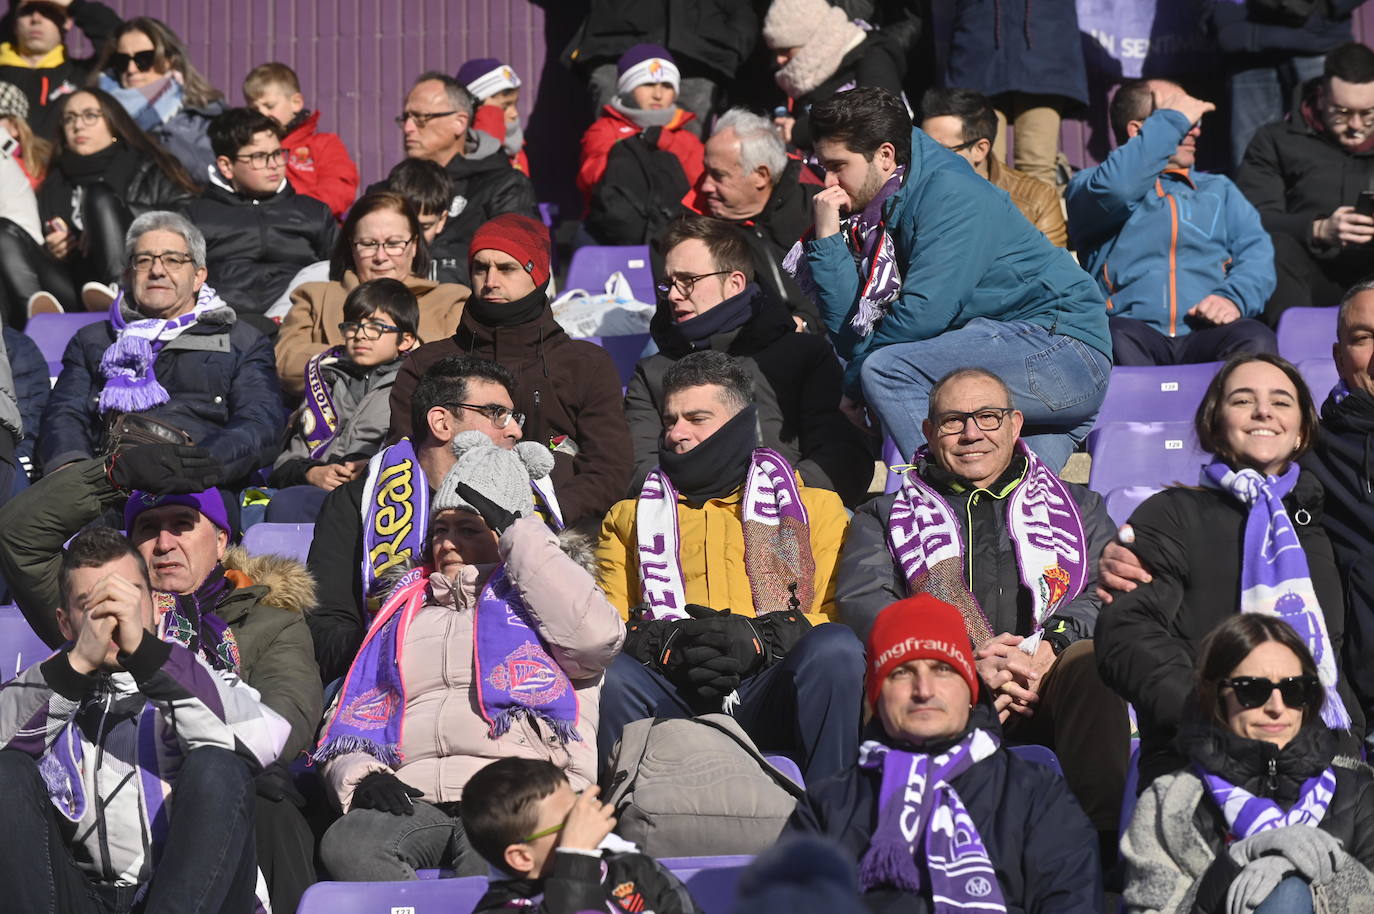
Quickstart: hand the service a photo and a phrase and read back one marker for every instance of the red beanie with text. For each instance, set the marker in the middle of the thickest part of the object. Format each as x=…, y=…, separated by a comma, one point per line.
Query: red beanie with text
x=918, y=628
x=522, y=237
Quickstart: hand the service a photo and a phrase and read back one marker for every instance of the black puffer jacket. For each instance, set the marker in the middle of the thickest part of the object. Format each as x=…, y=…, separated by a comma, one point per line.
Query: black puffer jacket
x=1191, y=542
x=484, y=185
x=797, y=382
x=46, y=86
x=710, y=36
x=869, y=579
x=254, y=247
x=1036, y=835
x=141, y=185
x=613, y=882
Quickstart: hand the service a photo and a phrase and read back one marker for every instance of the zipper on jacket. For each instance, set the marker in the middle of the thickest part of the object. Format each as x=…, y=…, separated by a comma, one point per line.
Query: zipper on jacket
x=1173, y=257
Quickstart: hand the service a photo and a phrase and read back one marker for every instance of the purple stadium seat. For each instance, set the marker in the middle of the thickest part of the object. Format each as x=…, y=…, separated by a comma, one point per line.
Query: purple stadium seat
x=290, y=540
x=1121, y=502
x=626, y=351
x=52, y=332
x=436, y=896
x=787, y=767
x=1128, y=796
x=711, y=880
x=892, y=458
x=1158, y=394
x=1143, y=454
x=1040, y=755
x=592, y=265
x=1320, y=375
x=20, y=647
x=1307, y=333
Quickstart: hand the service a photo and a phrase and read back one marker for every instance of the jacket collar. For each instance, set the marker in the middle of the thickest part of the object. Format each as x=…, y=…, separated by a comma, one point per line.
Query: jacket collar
x=10, y=57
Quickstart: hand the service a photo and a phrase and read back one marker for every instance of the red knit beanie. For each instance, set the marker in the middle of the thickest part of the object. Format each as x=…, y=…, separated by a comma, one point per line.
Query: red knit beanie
x=524, y=238
x=919, y=627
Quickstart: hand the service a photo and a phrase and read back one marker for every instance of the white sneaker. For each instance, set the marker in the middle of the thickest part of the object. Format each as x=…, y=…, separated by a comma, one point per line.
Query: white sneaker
x=97, y=296
x=45, y=303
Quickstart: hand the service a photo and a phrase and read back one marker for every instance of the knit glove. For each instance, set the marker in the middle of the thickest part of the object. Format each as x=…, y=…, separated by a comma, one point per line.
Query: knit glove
x=1315, y=854
x=384, y=792
x=163, y=469
x=1254, y=884
x=497, y=517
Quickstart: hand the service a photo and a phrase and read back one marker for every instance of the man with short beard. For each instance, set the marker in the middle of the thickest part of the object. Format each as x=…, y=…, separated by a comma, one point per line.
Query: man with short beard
x=1305, y=175
x=916, y=262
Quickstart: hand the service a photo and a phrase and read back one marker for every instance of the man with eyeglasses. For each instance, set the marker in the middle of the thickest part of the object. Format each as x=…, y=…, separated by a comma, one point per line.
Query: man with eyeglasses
x=436, y=124
x=569, y=390
x=982, y=523
x=1305, y=175
x=173, y=363
x=33, y=55
x=258, y=231
x=964, y=122
x=1180, y=254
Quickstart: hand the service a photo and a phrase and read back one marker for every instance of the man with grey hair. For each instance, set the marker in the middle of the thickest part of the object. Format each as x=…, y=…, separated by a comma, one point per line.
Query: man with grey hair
x=982, y=523
x=436, y=125
x=173, y=363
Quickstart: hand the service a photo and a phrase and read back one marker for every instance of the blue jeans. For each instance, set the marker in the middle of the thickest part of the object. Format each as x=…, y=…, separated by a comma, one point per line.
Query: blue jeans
x=1291, y=896
x=1056, y=382
x=1263, y=95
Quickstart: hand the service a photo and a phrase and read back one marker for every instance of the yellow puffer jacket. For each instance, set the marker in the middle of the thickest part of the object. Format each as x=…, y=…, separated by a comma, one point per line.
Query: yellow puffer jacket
x=712, y=553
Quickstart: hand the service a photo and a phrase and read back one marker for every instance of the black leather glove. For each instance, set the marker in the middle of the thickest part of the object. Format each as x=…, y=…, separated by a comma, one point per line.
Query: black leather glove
x=779, y=632
x=164, y=469
x=274, y=783
x=713, y=653
x=384, y=792
x=497, y=517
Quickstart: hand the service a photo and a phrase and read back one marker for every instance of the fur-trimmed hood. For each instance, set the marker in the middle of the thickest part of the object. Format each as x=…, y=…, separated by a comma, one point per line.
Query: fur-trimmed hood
x=285, y=582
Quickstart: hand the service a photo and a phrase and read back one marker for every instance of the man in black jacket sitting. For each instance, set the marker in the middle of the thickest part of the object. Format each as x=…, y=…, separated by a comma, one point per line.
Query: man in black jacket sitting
x=981, y=522
x=936, y=812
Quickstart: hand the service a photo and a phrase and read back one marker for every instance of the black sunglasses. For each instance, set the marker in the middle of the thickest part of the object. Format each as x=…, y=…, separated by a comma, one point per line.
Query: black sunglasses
x=1296, y=691
x=119, y=63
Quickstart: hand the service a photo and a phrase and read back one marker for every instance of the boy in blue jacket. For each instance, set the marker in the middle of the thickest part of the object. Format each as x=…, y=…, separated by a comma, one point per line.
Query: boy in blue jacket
x=1181, y=256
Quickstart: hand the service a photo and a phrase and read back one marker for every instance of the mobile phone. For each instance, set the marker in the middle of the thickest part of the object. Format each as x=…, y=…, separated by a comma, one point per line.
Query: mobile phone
x=1365, y=205
x=55, y=224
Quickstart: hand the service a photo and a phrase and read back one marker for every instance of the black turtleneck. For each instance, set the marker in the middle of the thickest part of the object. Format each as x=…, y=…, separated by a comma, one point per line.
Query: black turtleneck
x=716, y=466
x=509, y=313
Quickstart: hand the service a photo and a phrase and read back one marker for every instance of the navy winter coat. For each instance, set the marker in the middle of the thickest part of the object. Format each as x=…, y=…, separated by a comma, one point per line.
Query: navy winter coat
x=31, y=386
x=1001, y=46
x=1036, y=835
x=222, y=378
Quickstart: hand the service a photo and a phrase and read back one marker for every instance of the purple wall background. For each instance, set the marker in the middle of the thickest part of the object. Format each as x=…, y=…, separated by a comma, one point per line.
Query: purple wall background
x=357, y=57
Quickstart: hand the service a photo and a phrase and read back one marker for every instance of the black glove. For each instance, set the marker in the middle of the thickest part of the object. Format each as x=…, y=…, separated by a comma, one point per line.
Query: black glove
x=164, y=469
x=779, y=632
x=646, y=639
x=274, y=783
x=384, y=792
x=713, y=652
x=497, y=517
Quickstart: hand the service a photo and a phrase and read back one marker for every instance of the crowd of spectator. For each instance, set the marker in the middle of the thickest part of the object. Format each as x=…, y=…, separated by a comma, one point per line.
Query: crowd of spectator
x=522, y=554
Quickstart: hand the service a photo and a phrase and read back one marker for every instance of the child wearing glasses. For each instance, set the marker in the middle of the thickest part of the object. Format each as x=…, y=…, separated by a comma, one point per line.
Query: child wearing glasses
x=551, y=850
x=344, y=417
x=259, y=232
x=317, y=163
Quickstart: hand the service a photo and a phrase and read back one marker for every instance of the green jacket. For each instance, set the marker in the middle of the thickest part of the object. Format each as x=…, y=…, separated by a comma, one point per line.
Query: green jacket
x=276, y=654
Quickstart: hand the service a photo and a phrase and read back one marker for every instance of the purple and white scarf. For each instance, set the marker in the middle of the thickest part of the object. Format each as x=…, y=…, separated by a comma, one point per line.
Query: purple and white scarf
x=1043, y=522
x=513, y=672
x=917, y=803
x=131, y=386
x=866, y=234
x=319, y=417
x=777, y=541
x=395, y=513
x=1247, y=814
x=1274, y=577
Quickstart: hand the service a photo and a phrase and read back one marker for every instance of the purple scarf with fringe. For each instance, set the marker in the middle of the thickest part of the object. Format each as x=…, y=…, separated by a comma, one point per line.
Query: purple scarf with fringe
x=1247, y=814
x=319, y=418
x=131, y=386
x=920, y=815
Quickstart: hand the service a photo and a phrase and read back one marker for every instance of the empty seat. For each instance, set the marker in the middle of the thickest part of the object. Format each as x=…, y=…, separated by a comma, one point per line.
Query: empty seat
x=20, y=646
x=1321, y=375
x=52, y=332
x=425, y=896
x=1040, y=755
x=290, y=540
x=1143, y=454
x=1307, y=333
x=592, y=265
x=1155, y=394
x=712, y=881
x=626, y=351
x=1120, y=503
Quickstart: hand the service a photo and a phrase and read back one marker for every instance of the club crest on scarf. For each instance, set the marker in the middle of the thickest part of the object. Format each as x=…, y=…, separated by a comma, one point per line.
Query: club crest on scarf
x=370, y=710
x=530, y=676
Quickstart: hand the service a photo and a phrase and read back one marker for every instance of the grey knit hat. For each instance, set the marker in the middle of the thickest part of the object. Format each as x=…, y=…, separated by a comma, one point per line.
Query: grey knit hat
x=13, y=102
x=501, y=475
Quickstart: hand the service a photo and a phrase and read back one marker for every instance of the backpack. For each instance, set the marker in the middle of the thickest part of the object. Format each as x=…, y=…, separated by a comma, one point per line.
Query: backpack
x=639, y=194
x=696, y=786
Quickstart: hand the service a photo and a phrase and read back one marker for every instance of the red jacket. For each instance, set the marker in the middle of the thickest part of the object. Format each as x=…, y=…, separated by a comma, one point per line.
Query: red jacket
x=491, y=120
x=613, y=126
x=317, y=165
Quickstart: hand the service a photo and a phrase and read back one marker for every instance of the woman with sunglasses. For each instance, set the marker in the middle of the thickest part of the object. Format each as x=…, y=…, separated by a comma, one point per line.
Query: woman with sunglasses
x=1265, y=815
x=145, y=67
x=104, y=173
x=1245, y=539
x=381, y=239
